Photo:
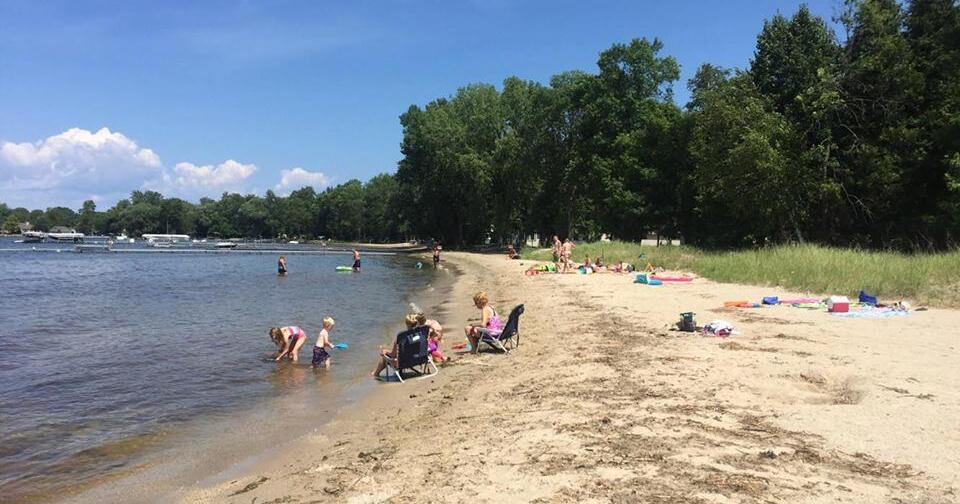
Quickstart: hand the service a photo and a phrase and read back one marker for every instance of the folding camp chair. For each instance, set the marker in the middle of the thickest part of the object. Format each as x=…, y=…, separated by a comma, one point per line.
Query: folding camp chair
x=412, y=352
x=510, y=334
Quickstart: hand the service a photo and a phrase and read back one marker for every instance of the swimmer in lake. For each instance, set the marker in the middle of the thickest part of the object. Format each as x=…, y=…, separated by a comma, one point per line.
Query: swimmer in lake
x=282, y=266
x=356, y=261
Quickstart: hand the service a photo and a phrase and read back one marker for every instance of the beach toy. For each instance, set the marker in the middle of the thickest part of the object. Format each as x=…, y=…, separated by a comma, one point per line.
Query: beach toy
x=735, y=304
x=341, y=346
x=867, y=299
x=771, y=300
x=687, y=322
x=344, y=269
x=672, y=279
x=462, y=346
x=419, y=265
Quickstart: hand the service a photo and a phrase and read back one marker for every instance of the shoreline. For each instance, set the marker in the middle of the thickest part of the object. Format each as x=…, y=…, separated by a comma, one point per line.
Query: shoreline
x=603, y=400
x=224, y=444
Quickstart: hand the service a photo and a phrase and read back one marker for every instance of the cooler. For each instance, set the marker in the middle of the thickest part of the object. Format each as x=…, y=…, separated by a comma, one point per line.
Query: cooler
x=838, y=304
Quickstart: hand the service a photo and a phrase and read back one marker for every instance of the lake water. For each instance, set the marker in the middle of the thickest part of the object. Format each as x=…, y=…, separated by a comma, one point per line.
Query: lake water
x=107, y=360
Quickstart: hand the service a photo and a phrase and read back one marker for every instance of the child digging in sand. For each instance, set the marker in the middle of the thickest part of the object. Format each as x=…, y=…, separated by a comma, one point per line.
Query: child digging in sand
x=320, y=355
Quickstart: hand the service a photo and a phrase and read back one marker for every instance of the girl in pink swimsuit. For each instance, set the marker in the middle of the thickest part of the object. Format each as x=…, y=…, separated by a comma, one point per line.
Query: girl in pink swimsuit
x=435, y=338
x=288, y=340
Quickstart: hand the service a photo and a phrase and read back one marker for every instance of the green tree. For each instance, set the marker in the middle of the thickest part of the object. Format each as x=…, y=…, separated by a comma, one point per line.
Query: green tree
x=11, y=225
x=86, y=220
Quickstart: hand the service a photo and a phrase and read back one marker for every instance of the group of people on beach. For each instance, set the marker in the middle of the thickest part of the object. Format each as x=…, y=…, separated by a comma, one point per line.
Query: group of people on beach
x=290, y=339
x=563, y=261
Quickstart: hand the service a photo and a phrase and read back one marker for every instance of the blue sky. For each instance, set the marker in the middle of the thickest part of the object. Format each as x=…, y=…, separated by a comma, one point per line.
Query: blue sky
x=201, y=97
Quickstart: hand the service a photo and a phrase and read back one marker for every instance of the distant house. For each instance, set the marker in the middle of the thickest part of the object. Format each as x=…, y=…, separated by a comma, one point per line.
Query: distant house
x=61, y=229
x=25, y=226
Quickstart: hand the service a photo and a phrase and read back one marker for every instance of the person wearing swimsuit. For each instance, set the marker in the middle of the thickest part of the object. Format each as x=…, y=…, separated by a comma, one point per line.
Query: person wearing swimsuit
x=288, y=340
x=490, y=323
x=356, y=260
x=320, y=355
x=436, y=254
x=282, y=266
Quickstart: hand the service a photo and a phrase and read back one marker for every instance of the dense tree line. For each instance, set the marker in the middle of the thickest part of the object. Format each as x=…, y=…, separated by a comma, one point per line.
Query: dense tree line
x=847, y=142
x=852, y=143
x=350, y=211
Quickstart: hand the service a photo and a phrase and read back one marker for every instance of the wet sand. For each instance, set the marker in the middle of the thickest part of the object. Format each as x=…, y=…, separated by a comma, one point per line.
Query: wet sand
x=604, y=402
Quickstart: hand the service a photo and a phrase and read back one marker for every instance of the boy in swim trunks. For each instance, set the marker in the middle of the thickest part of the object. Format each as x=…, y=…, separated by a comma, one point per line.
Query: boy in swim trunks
x=320, y=355
x=356, y=260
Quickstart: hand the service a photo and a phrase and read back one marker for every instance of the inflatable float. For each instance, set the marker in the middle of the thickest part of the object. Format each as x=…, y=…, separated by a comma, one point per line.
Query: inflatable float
x=344, y=269
x=672, y=278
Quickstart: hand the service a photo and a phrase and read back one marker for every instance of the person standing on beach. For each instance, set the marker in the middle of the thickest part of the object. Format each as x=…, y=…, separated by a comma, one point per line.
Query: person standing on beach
x=567, y=254
x=282, y=266
x=356, y=261
x=436, y=254
x=557, y=248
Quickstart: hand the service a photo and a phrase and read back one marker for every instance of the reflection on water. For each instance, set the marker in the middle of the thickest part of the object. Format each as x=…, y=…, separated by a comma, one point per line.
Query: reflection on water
x=102, y=356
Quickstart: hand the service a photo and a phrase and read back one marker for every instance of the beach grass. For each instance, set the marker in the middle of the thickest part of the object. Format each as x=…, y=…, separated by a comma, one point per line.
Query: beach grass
x=930, y=279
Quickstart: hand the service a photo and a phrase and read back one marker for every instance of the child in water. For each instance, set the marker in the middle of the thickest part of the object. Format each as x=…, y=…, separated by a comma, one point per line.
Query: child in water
x=320, y=355
x=356, y=260
x=282, y=266
x=435, y=337
x=288, y=339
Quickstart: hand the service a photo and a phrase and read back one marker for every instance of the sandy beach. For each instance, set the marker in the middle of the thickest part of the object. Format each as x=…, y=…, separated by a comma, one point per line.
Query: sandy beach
x=604, y=401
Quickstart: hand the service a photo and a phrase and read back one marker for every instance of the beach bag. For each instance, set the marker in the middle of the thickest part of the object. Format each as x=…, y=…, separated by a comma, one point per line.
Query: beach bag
x=641, y=278
x=868, y=299
x=771, y=300
x=687, y=322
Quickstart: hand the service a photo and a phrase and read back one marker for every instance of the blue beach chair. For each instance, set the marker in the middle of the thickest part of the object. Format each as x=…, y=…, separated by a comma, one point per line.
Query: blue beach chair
x=413, y=353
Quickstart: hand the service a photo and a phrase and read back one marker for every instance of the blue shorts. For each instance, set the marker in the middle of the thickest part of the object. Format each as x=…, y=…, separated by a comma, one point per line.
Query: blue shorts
x=320, y=356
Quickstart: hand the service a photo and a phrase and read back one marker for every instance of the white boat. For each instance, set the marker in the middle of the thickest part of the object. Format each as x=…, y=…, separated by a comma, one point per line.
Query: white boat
x=32, y=237
x=172, y=238
x=226, y=245
x=72, y=236
x=293, y=242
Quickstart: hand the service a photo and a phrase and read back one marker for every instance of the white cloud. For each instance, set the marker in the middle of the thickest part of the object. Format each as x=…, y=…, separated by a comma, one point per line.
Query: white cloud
x=229, y=173
x=78, y=162
x=291, y=180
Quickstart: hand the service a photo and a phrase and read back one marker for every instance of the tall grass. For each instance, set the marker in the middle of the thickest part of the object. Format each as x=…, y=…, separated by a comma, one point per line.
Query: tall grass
x=925, y=278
